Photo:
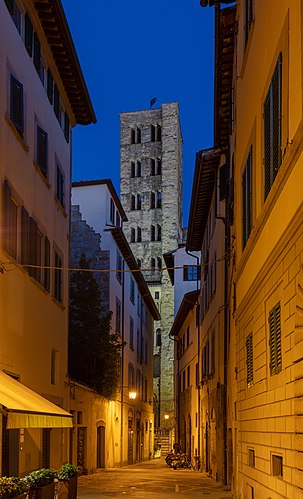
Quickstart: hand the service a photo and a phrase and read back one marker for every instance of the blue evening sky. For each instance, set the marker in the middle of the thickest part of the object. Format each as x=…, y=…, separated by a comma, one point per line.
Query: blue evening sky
x=129, y=51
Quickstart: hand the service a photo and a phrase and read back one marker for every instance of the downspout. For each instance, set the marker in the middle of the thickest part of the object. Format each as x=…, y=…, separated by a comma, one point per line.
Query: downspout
x=225, y=326
x=199, y=346
x=122, y=367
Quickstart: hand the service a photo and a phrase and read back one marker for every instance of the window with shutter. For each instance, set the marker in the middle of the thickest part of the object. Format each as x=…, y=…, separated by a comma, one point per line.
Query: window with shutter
x=249, y=360
x=10, y=222
x=247, y=200
x=42, y=150
x=273, y=128
x=131, y=333
x=15, y=13
x=57, y=103
x=50, y=86
x=46, y=264
x=66, y=127
x=28, y=35
x=275, y=345
x=58, y=278
x=249, y=17
x=60, y=186
x=118, y=316
x=37, y=54
x=24, y=236
x=33, y=249
x=16, y=104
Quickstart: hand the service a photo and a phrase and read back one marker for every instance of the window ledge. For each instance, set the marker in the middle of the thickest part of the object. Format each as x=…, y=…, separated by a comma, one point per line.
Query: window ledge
x=16, y=133
x=48, y=185
x=60, y=206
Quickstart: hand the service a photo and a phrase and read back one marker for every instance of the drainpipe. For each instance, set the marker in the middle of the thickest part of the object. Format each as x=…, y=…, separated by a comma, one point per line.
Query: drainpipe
x=225, y=323
x=122, y=367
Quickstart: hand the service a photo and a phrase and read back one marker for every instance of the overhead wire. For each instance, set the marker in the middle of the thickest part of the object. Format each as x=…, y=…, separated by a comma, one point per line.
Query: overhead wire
x=79, y=269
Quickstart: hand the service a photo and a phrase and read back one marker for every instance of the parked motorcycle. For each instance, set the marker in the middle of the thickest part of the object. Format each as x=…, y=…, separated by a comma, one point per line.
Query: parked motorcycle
x=181, y=461
x=170, y=457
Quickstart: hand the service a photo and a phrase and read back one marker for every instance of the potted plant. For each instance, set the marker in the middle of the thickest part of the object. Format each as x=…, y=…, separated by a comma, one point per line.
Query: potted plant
x=41, y=483
x=12, y=487
x=68, y=481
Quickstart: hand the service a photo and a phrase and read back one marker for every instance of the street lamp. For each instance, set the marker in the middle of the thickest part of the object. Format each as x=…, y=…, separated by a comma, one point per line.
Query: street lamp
x=132, y=395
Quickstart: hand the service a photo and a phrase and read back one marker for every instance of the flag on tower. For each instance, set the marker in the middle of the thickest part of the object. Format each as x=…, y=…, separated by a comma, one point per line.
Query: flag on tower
x=152, y=101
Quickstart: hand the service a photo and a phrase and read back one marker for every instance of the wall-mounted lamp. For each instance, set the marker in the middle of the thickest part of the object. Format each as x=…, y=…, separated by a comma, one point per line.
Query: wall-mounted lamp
x=132, y=395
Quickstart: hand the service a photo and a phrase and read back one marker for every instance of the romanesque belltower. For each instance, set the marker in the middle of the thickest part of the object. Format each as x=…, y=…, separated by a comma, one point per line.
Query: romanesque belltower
x=151, y=194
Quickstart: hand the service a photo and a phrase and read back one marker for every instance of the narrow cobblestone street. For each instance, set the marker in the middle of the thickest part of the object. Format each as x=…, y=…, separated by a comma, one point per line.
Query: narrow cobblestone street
x=150, y=479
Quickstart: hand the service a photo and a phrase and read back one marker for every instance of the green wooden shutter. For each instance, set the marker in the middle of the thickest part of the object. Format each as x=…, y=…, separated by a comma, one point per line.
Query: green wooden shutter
x=275, y=345
x=42, y=150
x=276, y=116
x=33, y=247
x=66, y=127
x=10, y=6
x=249, y=360
x=16, y=104
x=247, y=199
x=50, y=86
x=37, y=54
x=56, y=102
x=46, y=264
x=24, y=236
x=28, y=35
x=244, y=214
x=273, y=128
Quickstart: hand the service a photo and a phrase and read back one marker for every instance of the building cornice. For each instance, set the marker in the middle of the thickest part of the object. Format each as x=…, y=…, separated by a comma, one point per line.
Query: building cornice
x=55, y=28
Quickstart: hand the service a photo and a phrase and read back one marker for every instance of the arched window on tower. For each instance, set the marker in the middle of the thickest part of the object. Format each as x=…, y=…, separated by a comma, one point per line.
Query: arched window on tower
x=152, y=200
x=139, y=235
x=159, y=234
x=158, y=337
x=152, y=233
x=132, y=235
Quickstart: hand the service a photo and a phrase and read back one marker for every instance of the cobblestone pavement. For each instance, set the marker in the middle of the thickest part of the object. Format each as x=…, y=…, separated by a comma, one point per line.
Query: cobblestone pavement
x=151, y=479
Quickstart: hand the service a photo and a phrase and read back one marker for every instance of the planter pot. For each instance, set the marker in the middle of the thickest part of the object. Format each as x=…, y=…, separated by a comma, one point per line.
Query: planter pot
x=46, y=492
x=67, y=489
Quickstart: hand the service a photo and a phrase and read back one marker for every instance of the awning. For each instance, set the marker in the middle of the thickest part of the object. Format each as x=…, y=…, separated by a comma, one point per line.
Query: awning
x=27, y=409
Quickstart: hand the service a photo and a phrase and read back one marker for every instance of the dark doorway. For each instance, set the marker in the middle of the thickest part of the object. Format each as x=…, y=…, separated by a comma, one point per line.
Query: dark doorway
x=10, y=450
x=101, y=447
